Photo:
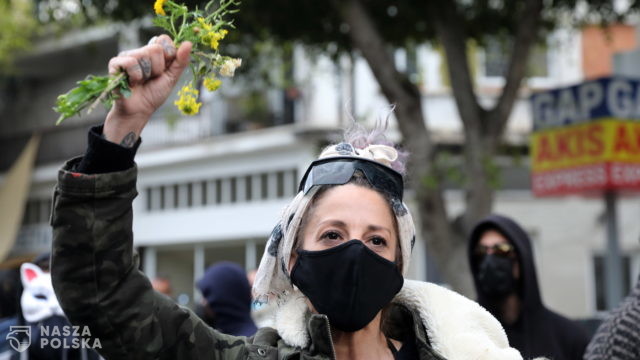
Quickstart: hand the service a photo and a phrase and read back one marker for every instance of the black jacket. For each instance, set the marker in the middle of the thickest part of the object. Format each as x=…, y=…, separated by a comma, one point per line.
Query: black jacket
x=539, y=331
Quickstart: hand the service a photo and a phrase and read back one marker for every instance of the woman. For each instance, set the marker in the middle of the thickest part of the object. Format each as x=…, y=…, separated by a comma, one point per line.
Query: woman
x=333, y=265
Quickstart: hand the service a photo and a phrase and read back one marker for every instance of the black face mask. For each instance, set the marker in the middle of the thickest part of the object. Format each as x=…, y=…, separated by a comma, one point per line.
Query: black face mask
x=495, y=276
x=349, y=283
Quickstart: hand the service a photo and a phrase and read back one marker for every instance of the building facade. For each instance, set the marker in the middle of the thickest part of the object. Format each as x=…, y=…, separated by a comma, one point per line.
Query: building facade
x=212, y=186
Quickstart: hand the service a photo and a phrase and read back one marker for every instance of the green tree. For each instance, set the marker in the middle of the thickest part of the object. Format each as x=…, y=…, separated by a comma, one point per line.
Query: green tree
x=16, y=27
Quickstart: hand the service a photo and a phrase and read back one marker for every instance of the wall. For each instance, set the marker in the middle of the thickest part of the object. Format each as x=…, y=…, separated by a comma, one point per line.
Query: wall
x=599, y=45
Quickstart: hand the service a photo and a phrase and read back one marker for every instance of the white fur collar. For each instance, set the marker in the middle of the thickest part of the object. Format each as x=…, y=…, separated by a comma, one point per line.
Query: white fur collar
x=457, y=327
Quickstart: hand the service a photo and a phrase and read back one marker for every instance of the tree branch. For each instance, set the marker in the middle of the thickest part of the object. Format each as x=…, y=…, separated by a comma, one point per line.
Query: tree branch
x=449, y=30
x=366, y=38
x=395, y=86
x=478, y=192
x=525, y=37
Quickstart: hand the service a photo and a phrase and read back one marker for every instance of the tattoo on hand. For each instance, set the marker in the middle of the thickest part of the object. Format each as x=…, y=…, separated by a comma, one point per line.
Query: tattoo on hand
x=145, y=66
x=129, y=140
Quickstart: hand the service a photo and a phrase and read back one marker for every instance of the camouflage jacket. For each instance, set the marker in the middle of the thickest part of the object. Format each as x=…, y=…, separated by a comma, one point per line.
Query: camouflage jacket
x=96, y=278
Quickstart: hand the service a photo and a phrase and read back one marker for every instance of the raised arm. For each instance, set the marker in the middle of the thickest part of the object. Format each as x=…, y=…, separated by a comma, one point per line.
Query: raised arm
x=94, y=267
x=153, y=71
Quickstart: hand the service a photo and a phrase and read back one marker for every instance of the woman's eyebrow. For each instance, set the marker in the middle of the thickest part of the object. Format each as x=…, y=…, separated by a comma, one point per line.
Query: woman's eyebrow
x=333, y=222
x=378, y=228
x=341, y=224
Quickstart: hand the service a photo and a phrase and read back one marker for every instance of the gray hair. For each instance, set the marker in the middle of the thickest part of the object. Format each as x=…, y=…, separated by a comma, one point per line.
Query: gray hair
x=360, y=137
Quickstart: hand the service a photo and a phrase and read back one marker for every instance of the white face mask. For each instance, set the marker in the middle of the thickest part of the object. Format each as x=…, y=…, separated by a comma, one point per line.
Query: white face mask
x=38, y=299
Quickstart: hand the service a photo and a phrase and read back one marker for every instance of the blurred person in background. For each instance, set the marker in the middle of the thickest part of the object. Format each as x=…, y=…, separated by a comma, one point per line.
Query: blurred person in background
x=334, y=264
x=504, y=274
x=618, y=337
x=227, y=296
x=162, y=284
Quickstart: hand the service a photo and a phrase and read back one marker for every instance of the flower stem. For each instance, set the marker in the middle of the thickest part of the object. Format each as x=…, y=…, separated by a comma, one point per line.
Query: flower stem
x=113, y=83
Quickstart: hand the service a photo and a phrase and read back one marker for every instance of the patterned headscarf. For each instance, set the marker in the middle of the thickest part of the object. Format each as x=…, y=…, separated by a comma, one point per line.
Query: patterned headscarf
x=272, y=279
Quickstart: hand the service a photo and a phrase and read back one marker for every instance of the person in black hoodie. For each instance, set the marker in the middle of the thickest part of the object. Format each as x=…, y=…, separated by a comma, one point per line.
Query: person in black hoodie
x=504, y=274
x=225, y=288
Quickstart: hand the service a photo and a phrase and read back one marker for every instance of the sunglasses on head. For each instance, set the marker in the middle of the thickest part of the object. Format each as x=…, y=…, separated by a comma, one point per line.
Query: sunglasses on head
x=339, y=170
x=501, y=250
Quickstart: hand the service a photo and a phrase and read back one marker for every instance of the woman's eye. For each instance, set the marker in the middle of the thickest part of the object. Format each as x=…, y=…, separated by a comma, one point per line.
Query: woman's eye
x=378, y=241
x=331, y=235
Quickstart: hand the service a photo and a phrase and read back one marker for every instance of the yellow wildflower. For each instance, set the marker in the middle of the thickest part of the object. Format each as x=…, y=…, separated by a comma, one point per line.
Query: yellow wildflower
x=211, y=83
x=214, y=42
x=205, y=25
x=187, y=102
x=212, y=38
x=188, y=106
x=158, y=6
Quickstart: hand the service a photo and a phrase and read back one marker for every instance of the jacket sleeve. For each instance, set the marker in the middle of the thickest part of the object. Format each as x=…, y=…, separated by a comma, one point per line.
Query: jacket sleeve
x=96, y=278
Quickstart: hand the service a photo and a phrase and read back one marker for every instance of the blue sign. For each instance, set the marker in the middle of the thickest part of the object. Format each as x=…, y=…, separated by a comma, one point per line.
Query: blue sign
x=610, y=97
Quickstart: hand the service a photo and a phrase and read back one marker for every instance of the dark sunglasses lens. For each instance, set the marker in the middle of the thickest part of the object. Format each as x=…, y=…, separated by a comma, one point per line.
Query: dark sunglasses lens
x=340, y=171
x=329, y=173
x=503, y=250
x=384, y=180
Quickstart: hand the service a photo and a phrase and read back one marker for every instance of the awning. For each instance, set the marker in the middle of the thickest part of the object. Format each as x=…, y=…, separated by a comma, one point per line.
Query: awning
x=14, y=191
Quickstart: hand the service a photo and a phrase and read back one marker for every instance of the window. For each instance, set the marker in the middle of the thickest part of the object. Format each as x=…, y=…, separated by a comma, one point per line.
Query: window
x=229, y=190
x=264, y=186
x=212, y=192
x=149, y=198
x=37, y=211
x=195, y=194
x=182, y=196
x=225, y=191
x=600, y=281
x=218, y=191
x=294, y=182
x=176, y=196
x=280, y=184
x=233, y=190
x=190, y=195
x=205, y=188
x=248, y=186
x=496, y=60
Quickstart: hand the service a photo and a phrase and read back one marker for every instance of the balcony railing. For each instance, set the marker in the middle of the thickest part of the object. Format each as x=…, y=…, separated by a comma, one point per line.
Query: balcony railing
x=218, y=117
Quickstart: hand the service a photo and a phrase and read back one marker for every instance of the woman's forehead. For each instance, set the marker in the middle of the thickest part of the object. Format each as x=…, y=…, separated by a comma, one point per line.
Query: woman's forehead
x=352, y=202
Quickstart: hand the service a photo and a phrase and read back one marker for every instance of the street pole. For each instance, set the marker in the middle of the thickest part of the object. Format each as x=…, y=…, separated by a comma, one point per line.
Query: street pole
x=613, y=263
